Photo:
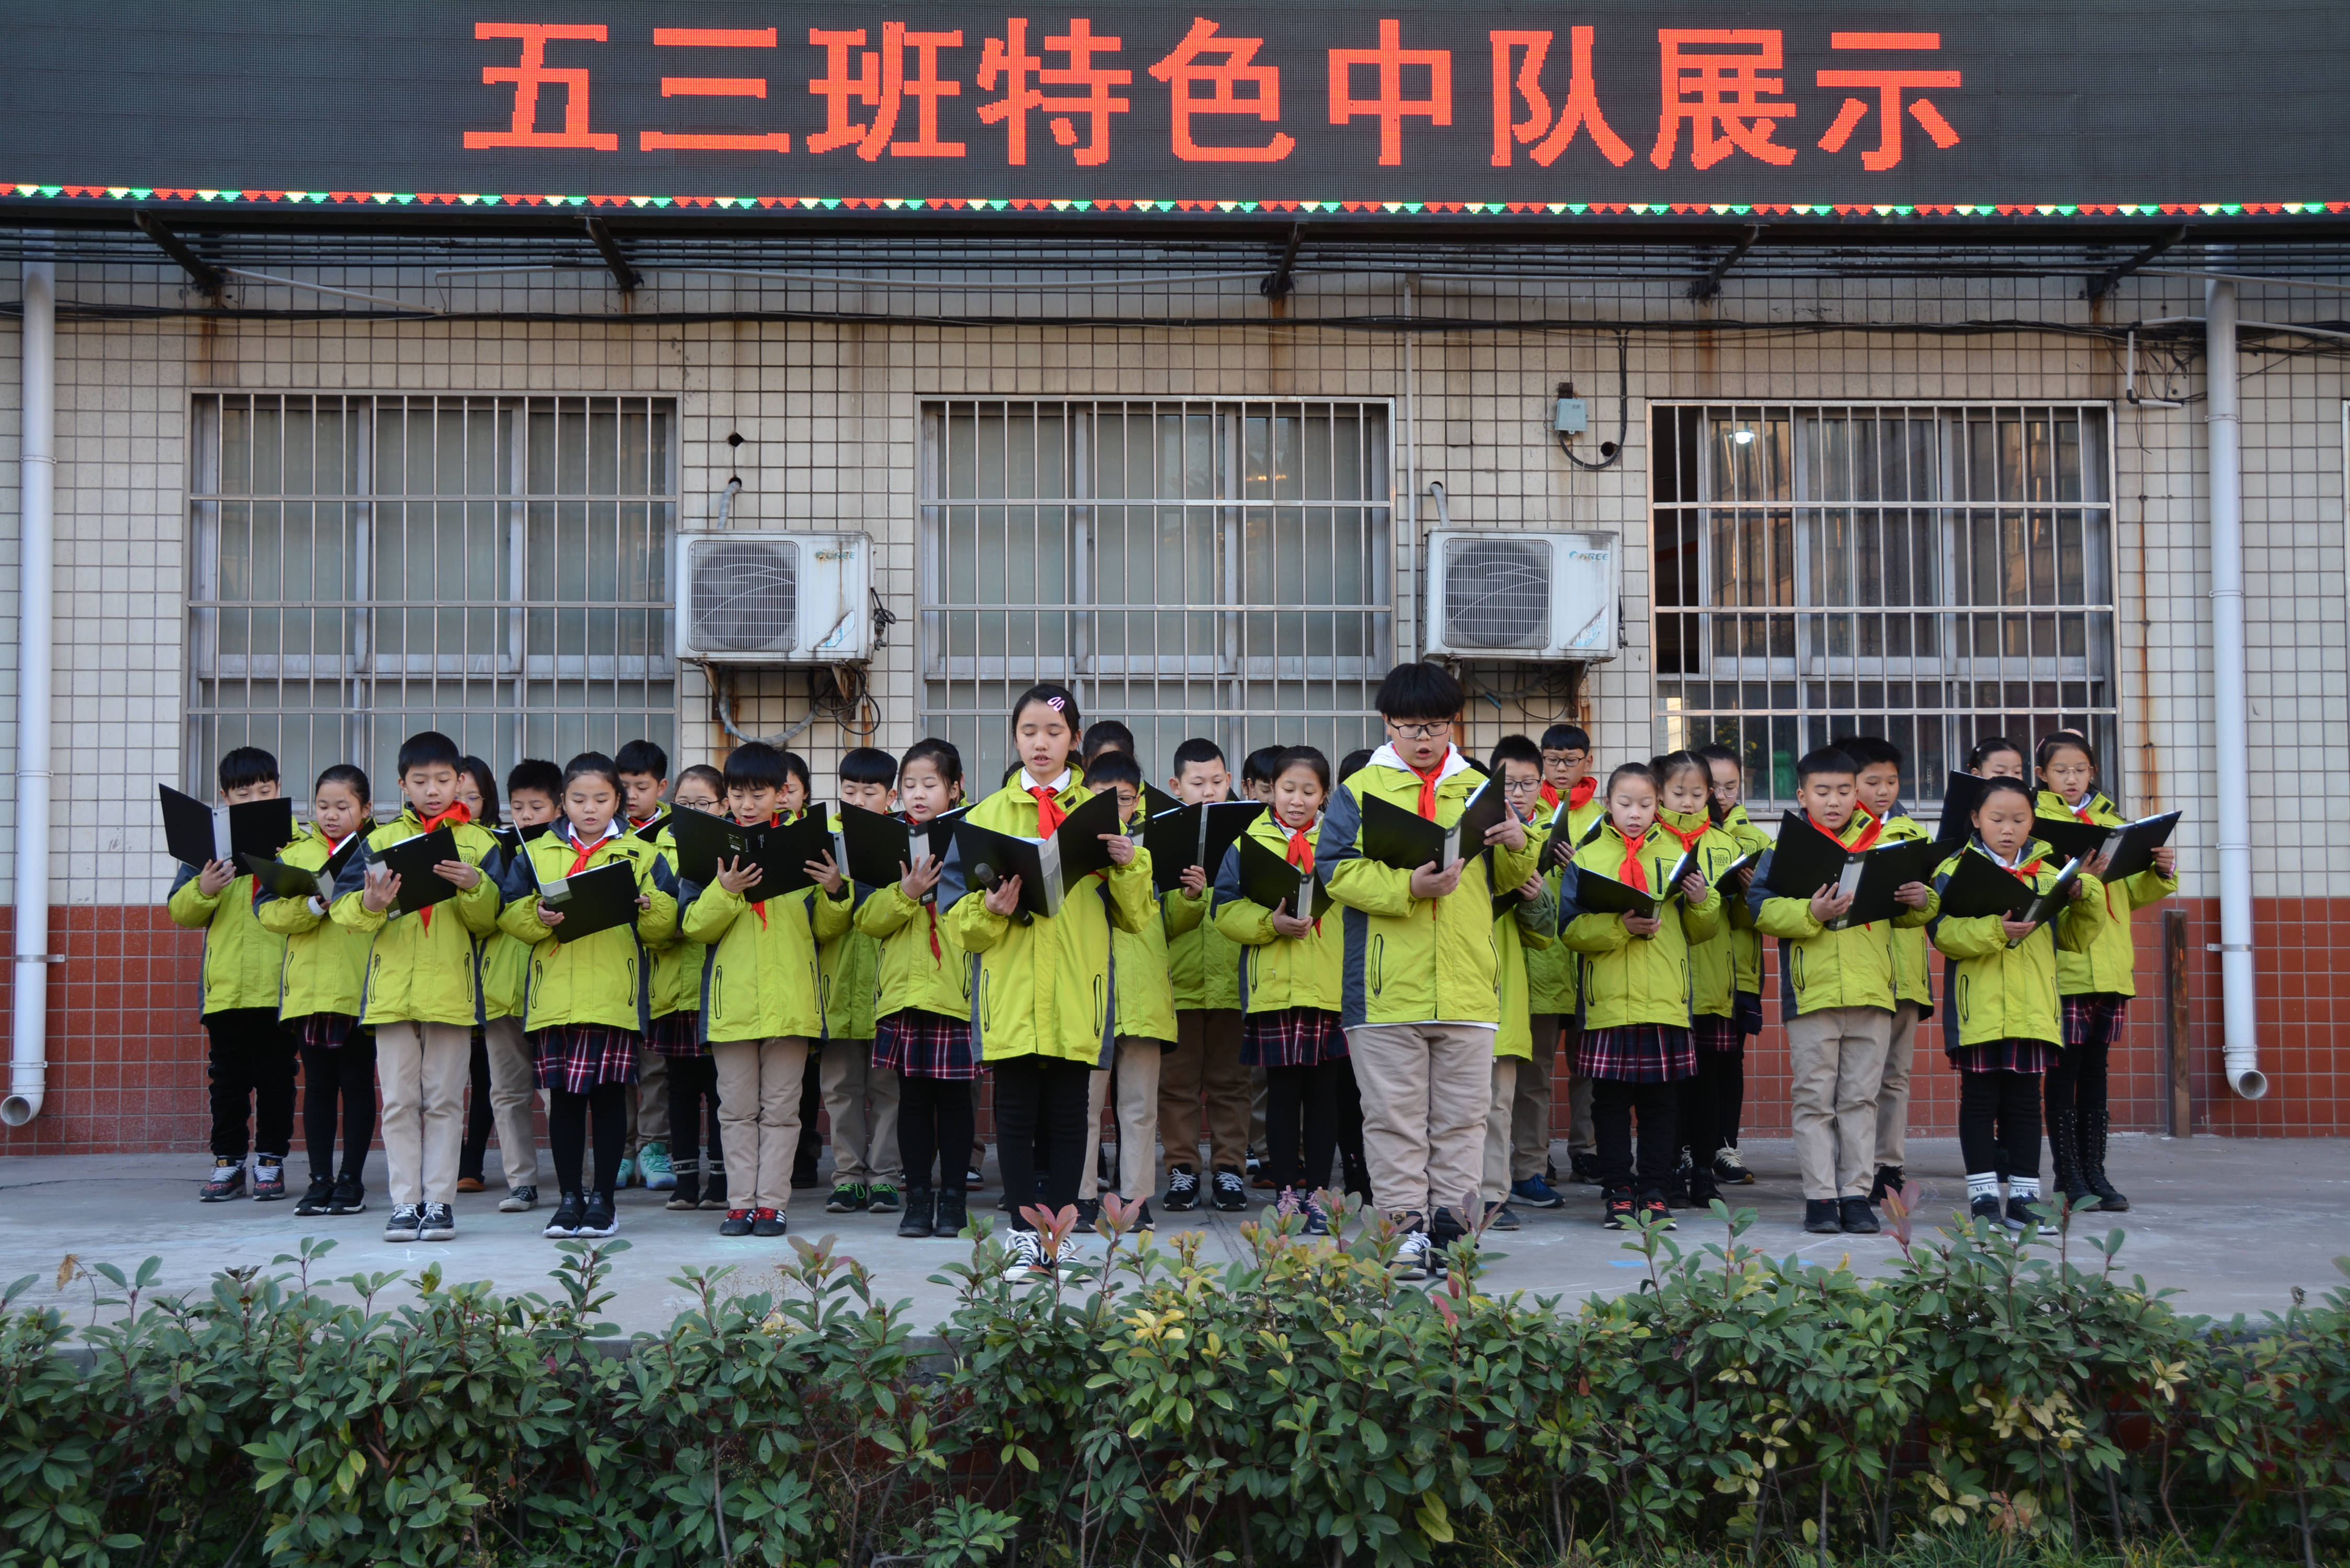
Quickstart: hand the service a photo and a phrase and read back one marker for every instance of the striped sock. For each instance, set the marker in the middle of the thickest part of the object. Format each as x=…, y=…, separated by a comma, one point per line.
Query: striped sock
x=1983, y=1186
x=2024, y=1187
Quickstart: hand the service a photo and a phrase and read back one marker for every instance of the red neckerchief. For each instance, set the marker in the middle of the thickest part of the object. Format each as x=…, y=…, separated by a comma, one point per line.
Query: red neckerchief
x=1688, y=840
x=1049, y=815
x=2081, y=813
x=2024, y=874
x=930, y=906
x=634, y=823
x=1301, y=854
x=458, y=814
x=579, y=863
x=1579, y=794
x=1632, y=874
x=1549, y=796
x=1428, y=782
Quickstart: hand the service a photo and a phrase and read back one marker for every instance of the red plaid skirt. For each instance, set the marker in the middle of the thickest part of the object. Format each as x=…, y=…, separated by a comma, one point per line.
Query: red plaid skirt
x=1713, y=1034
x=1636, y=1053
x=322, y=1031
x=1294, y=1037
x=2094, y=1018
x=575, y=1057
x=915, y=1044
x=678, y=1034
x=2003, y=1056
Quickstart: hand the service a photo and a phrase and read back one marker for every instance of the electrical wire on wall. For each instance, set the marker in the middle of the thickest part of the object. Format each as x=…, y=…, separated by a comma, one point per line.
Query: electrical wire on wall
x=841, y=693
x=1610, y=452
x=1547, y=693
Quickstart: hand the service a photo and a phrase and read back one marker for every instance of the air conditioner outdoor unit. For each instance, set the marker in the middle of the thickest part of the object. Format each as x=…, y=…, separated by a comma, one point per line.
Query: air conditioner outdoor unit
x=773, y=599
x=1511, y=596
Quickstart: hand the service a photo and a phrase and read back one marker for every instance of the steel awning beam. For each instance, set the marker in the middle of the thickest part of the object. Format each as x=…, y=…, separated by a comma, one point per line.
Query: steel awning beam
x=1708, y=285
x=2106, y=281
x=1282, y=280
x=624, y=277
x=201, y=272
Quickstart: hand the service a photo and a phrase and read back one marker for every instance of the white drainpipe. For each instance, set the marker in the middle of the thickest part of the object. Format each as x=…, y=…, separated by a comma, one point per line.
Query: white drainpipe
x=2232, y=799
x=36, y=466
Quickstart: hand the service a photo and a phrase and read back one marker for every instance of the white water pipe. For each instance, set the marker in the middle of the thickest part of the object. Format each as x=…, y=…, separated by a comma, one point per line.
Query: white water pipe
x=2232, y=797
x=28, y=1068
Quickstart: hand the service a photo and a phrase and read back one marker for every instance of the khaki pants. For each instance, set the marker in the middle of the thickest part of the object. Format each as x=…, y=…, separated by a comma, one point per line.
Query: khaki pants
x=1204, y=1065
x=1501, y=1150
x=423, y=1068
x=1427, y=1090
x=759, y=1116
x=1138, y=1062
x=649, y=1106
x=862, y=1101
x=1530, y=1103
x=1835, y=1057
x=514, y=1099
x=1893, y=1092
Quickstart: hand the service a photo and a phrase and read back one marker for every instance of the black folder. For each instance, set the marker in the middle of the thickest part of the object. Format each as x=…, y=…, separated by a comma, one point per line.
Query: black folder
x=1979, y=885
x=703, y=838
x=512, y=839
x=1049, y=870
x=2046, y=906
x=1884, y=869
x=196, y=833
x=1564, y=841
x=1598, y=895
x=1156, y=800
x=2141, y=839
x=280, y=880
x=1407, y=841
x=880, y=848
x=1805, y=860
x=652, y=831
x=1199, y=836
x=783, y=850
x=1962, y=792
x=592, y=901
x=412, y=860
x=1267, y=878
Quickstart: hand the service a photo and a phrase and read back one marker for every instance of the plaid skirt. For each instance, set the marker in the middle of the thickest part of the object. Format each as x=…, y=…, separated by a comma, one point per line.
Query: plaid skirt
x=2094, y=1018
x=1294, y=1037
x=322, y=1031
x=1713, y=1034
x=2003, y=1056
x=678, y=1034
x=575, y=1057
x=1636, y=1053
x=915, y=1044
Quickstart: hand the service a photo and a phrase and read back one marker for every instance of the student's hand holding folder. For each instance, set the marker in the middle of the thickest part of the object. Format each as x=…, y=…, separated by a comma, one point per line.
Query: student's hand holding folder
x=214, y=877
x=382, y=890
x=1003, y=897
x=740, y=875
x=1120, y=846
x=916, y=880
x=1434, y=881
x=825, y=874
x=1289, y=924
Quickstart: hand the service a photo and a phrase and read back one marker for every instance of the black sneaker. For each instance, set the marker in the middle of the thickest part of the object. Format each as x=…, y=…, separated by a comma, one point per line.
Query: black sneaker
x=713, y=1195
x=1858, y=1218
x=1182, y=1191
x=1889, y=1179
x=803, y=1176
x=1088, y=1212
x=1415, y=1259
x=1730, y=1170
x=921, y=1207
x=2020, y=1215
x=564, y=1222
x=883, y=1198
x=954, y=1214
x=1500, y=1217
x=736, y=1223
x=686, y=1194
x=1142, y=1219
x=351, y=1194
x=1231, y=1196
x=1986, y=1208
x=1616, y=1211
x=406, y=1220
x=268, y=1181
x=226, y=1181
x=1258, y=1176
x=317, y=1198
x=848, y=1198
x=767, y=1223
x=1585, y=1169
x=438, y=1223
x=519, y=1201
x=1656, y=1213
x=972, y=1180
x=600, y=1221
x=1822, y=1216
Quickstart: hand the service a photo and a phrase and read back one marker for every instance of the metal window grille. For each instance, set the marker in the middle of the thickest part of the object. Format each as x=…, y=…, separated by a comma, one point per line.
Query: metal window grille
x=1933, y=575
x=366, y=568
x=1191, y=567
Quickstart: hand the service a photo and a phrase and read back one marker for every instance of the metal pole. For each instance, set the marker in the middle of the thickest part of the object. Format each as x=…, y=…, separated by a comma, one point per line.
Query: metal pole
x=36, y=470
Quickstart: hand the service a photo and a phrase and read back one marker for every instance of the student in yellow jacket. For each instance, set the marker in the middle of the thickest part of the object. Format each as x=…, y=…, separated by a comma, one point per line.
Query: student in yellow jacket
x=534, y=805
x=1204, y=1068
x=923, y=1029
x=585, y=998
x=1145, y=1026
x=2096, y=985
x=1685, y=815
x=318, y=1002
x=1423, y=976
x=1636, y=1044
x=1727, y=1069
x=1525, y=930
x=423, y=994
x=860, y=1100
x=1041, y=1012
x=1571, y=809
x=1293, y=979
x=2000, y=1009
x=760, y=1000
x=1876, y=785
x=696, y=1150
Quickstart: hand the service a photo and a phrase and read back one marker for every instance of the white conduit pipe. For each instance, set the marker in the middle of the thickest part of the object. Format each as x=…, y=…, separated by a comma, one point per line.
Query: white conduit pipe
x=2230, y=738
x=36, y=467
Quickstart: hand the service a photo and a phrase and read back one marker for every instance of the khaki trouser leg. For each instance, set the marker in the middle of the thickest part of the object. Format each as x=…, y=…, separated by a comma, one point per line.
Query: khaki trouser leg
x=759, y=1116
x=1138, y=1114
x=1097, y=1097
x=852, y=1099
x=423, y=1068
x=1835, y=1058
x=1498, y=1151
x=1204, y=1066
x=1530, y=1103
x=651, y=1124
x=1427, y=1090
x=1893, y=1091
x=514, y=1099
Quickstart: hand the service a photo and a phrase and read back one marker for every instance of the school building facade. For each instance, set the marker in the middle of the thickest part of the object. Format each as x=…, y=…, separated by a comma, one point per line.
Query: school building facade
x=1932, y=458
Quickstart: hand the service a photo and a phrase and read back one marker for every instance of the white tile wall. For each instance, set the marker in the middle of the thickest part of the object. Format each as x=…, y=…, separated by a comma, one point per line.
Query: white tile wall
x=829, y=414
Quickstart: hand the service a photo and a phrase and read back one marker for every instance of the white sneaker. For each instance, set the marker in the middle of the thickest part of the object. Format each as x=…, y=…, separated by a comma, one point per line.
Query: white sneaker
x=1411, y=1258
x=1028, y=1261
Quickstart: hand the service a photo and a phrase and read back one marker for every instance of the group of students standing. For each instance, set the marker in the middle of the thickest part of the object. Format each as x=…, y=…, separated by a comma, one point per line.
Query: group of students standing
x=1405, y=1035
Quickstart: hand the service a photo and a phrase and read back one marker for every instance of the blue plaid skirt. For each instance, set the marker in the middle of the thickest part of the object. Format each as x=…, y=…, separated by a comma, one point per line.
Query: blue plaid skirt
x=915, y=1044
x=678, y=1034
x=1636, y=1053
x=2003, y=1056
x=1713, y=1033
x=2094, y=1018
x=575, y=1057
x=1294, y=1037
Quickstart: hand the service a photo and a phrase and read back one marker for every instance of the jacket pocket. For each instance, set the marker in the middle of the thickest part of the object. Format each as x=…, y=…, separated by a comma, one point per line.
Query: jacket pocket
x=1101, y=1004
x=717, y=992
x=1796, y=966
x=1379, y=964
x=1965, y=987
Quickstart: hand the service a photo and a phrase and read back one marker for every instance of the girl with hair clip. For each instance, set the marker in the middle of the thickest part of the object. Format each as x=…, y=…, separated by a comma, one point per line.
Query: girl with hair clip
x=1686, y=816
x=2000, y=1013
x=1995, y=757
x=2095, y=986
x=697, y=1151
x=1041, y=1000
x=1726, y=805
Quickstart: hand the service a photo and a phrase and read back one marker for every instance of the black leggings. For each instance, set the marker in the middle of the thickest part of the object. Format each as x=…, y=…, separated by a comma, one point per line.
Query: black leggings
x=811, y=1142
x=693, y=1130
x=1307, y=1098
x=2077, y=1081
x=478, y=1115
x=1613, y=1105
x=1999, y=1115
x=568, y=1120
x=343, y=1074
x=934, y=1126
x=1047, y=1093
x=1350, y=1131
x=1709, y=1104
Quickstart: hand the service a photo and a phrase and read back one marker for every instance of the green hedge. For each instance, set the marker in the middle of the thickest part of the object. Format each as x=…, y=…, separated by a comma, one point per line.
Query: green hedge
x=1298, y=1407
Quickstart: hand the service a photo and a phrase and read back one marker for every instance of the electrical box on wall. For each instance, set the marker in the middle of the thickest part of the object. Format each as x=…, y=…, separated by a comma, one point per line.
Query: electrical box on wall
x=773, y=599
x=1573, y=418
x=1510, y=596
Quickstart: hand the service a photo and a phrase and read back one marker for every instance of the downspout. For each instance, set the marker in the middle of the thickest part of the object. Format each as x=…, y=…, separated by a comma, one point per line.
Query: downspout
x=36, y=473
x=2231, y=740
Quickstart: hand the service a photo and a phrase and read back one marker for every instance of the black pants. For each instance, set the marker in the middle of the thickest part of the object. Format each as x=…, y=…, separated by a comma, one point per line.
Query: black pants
x=811, y=1142
x=2077, y=1082
x=1301, y=1123
x=568, y=1120
x=252, y=1070
x=335, y=1079
x=693, y=1119
x=934, y=1126
x=1351, y=1132
x=1708, y=1105
x=1613, y=1105
x=1998, y=1123
x=1047, y=1093
x=479, y=1118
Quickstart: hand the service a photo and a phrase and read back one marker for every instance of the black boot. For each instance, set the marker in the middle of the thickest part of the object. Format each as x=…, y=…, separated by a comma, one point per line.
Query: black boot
x=2095, y=1125
x=2064, y=1152
x=952, y=1216
x=916, y=1220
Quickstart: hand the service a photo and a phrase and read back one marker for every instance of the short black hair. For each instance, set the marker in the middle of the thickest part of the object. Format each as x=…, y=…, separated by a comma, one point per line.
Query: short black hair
x=1674, y=763
x=1355, y=761
x=241, y=767
x=1825, y=760
x=1566, y=738
x=1305, y=757
x=754, y=764
x=1514, y=749
x=869, y=766
x=2002, y=784
x=796, y=767
x=1419, y=691
x=536, y=773
x=1630, y=771
x=486, y=781
x=1198, y=749
x=1105, y=735
x=707, y=774
x=1113, y=768
x=1990, y=746
x=1261, y=764
x=1868, y=750
x=941, y=754
x=591, y=766
x=643, y=757
x=426, y=747
x=352, y=778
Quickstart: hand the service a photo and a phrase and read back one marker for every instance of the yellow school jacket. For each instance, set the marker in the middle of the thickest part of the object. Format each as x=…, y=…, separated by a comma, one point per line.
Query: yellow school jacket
x=1999, y=993
x=1745, y=941
x=1551, y=969
x=604, y=978
x=325, y=965
x=1520, y=933
x=1146, y=993
x=2108, y=965
x=1713, y=962
x=420, y=970
x=1629, y=980
x=1279, y=972
x=759, y=975
x=1819, y=967
x=1203, y=964
x=918, y=963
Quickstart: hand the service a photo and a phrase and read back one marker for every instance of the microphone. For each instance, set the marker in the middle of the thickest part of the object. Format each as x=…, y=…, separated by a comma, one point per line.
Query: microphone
x=985, y=875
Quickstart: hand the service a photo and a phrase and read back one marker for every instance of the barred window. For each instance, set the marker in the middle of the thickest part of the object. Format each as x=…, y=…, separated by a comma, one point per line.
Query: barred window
x=1193, y=568
x=366, y=568
x=1932, y=575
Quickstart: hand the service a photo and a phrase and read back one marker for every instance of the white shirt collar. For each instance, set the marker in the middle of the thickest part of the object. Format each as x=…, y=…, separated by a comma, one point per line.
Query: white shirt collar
x=612, y=830
x=1996, y=858
x=1386, y=756
x=1057, y=786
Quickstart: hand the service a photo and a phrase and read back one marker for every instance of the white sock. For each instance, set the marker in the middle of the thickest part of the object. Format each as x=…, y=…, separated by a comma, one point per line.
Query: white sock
x=2024, y=1187
x=1983, y=1186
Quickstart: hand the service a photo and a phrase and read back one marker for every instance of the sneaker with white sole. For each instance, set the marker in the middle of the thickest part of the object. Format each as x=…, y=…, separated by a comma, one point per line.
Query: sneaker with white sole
x=1729, y=1170
x=519, y=1201
x=1182, y=1189
x=1029, y=1261
x=652, y=1163
x=317, y=1198
x=1536, y=1193
x=564, y=1222
x=226, y=1181
x=406, y=1220
x=1231, y=1197
x=438, y=1223
x=600, y=1221
x=1411, y=1258
x=268, y=1181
